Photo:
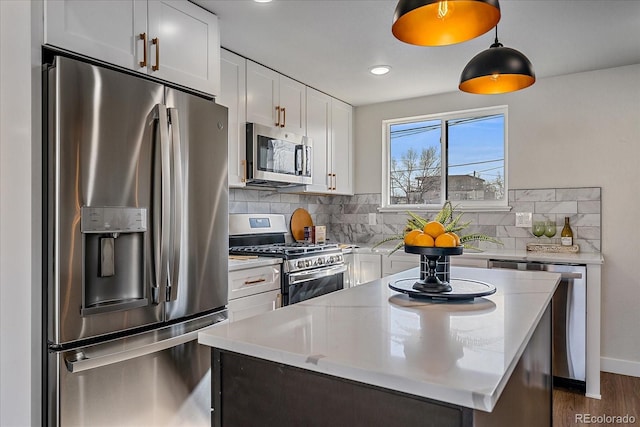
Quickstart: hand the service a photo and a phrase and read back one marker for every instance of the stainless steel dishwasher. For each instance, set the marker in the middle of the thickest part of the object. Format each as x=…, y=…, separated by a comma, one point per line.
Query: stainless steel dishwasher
x=569, y=319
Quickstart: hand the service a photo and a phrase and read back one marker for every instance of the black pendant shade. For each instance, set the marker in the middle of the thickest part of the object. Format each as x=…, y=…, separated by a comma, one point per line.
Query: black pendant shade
x=445, y=22
x=497, y=70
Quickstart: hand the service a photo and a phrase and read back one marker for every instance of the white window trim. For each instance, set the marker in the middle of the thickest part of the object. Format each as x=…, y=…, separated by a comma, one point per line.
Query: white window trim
x=474, y=206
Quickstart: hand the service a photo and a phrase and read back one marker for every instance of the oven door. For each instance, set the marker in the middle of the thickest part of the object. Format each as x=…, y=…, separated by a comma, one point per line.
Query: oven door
x=308, y=284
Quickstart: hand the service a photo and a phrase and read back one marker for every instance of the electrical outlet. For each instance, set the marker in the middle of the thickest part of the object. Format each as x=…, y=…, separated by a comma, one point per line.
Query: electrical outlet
x=523, y=219
x=372, y=219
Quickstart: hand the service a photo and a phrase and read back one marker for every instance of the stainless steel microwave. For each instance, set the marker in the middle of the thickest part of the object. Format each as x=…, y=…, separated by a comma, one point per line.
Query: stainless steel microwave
x=276, y=157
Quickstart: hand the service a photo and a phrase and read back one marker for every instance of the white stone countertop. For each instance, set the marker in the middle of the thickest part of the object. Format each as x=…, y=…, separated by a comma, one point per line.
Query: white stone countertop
x=508, y=254
x=462, y=353
x=251, y=262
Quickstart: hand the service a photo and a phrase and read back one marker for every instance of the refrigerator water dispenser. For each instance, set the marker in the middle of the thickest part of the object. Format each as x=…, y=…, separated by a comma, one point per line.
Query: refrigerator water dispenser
x=114, y=253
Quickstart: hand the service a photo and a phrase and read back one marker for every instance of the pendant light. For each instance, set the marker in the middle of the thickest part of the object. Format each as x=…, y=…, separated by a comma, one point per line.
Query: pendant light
x=496, y=70
x=445, y=22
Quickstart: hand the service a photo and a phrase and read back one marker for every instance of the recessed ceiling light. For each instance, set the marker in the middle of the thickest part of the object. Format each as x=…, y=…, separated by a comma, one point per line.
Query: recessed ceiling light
x=262, y=1
x=379, y=70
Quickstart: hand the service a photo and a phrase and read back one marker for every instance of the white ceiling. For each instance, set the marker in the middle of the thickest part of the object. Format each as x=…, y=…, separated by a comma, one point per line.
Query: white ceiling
x=331, y=44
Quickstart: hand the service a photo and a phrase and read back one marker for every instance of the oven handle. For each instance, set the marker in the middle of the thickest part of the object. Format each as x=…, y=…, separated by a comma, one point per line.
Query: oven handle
x=305, y=276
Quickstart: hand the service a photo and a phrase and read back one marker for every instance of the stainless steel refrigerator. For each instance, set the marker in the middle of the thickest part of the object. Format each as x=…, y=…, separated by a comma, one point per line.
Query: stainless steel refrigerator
x=136, y=243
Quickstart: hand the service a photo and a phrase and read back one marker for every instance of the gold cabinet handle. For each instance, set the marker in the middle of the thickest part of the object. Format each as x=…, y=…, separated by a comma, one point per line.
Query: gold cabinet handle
x=244, y=170
x=278, y=110
x=253, y=282
x=156, y=41
x=143, y=37
x=284, y=117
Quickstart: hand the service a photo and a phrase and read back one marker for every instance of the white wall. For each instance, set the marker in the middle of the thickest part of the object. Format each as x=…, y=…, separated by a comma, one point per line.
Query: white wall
x=580, y=130
x=19, y=217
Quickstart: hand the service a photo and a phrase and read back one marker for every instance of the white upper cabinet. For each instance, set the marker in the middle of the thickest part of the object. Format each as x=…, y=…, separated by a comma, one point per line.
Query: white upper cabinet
x=293, y=96
x=175, y=41
x=319, y=130
x=233, y=96
x=188, y=47
x=266, y=97
x=341, y=147
x=329, y=124
x=274, y=99
x=103, y=29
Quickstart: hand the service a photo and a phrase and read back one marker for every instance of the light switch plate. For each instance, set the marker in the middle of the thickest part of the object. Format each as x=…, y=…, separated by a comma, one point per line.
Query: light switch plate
x=523, y=219
x=372, y=218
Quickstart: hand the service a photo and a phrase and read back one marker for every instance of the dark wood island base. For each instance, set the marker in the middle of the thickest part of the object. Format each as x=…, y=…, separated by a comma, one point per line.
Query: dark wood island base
x=247, y=391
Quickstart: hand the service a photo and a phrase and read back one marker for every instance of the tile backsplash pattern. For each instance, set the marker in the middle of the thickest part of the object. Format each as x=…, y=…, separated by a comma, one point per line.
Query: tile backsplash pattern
x=347, y=217
x=252, y=201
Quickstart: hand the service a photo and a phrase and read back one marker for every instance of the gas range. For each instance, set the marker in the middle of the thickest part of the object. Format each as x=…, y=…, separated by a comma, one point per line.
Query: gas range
x=309, y=270
x=289, y=250
x=296, y=256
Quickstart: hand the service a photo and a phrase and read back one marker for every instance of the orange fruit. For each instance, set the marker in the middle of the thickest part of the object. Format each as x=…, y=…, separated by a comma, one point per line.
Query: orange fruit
x=411, y=236
x=433, y=229
x=446, y=240
x=424, y=240
x=458, y=242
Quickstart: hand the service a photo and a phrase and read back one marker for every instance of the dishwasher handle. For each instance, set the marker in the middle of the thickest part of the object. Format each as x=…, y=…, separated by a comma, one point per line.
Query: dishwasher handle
x=533, y=266
x=509, y=265
x=569, y=275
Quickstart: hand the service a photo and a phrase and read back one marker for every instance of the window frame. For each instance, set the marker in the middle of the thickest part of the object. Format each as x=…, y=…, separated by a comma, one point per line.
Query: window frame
x=468, y=205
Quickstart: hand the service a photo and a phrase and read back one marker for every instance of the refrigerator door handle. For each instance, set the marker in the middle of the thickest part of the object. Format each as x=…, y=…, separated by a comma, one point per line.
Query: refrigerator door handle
x=78, y=362
x=177, y=204
x=161, y=216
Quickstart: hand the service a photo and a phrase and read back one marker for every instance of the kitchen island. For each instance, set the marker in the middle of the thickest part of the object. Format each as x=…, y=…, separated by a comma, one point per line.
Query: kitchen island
x=370, y=356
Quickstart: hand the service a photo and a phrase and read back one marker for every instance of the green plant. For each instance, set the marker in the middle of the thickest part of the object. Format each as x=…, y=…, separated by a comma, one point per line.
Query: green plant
x=451, y=221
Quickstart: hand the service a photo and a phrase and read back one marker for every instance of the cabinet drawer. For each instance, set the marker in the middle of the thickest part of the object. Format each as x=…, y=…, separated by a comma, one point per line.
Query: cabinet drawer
x=252, y=281
x=253, y=305
x=457, y=261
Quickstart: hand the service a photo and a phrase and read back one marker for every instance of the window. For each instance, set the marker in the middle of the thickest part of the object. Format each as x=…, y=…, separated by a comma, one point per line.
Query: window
x=456, y=156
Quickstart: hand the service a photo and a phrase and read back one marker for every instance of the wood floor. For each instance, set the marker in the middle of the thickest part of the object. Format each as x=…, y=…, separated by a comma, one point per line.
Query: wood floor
x=620, y=397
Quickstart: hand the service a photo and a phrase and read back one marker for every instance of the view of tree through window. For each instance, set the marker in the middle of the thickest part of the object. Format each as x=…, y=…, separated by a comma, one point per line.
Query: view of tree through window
x=416, y=162
x=468, y=149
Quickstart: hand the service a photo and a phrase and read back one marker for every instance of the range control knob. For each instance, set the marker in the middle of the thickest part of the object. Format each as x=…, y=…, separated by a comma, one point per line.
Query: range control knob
x=320, y=261
x=301, y=264
x=307, y=263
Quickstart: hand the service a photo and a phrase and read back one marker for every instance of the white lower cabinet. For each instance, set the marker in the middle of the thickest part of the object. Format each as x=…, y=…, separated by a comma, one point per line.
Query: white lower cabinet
x=253, y=291
x=398, y=262
x=402, y=261
x=253, y=305
x=368, y=267
x=460, y=261
x=350, y=274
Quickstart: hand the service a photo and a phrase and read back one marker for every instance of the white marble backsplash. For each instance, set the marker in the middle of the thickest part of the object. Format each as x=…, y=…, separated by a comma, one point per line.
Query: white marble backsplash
x=347, y=217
